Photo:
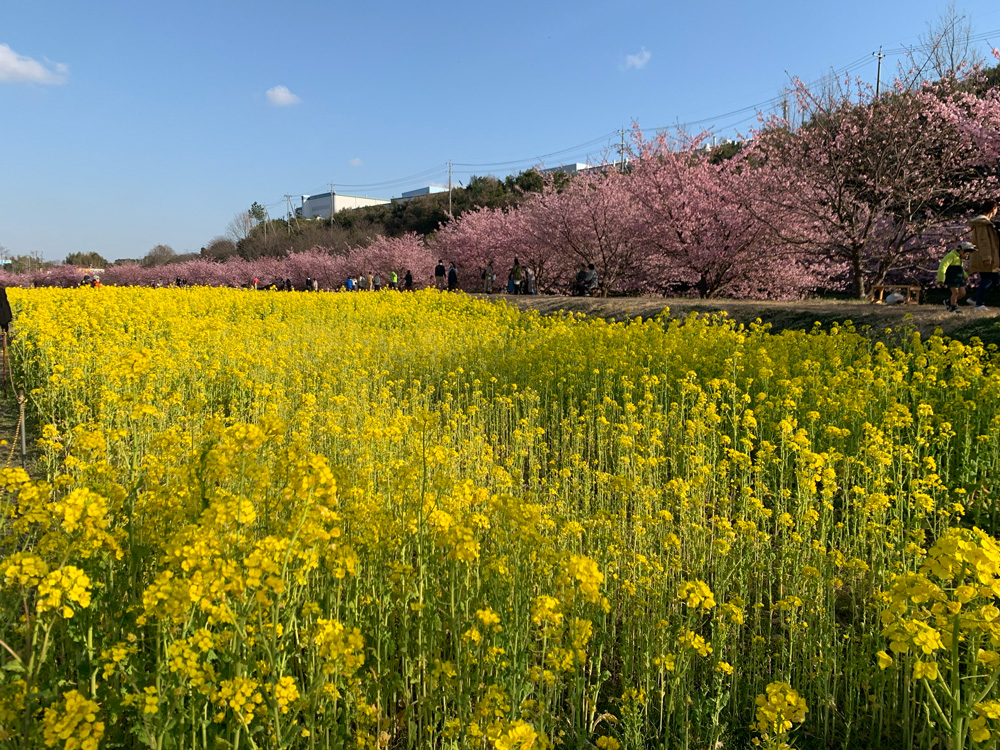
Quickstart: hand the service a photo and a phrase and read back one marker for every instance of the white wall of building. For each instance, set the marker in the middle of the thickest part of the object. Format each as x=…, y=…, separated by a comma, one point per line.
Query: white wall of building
x=318, y=206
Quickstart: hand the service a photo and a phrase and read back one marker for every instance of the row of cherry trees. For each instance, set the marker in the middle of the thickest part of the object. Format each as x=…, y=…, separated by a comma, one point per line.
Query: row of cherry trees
x=864, y=191
x=331, y=270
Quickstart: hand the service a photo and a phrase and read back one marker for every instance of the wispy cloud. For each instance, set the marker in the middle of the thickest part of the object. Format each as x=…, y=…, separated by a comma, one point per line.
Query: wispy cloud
x=356, y=162
x=15, y=68
x=638, y=60
x=280, y=96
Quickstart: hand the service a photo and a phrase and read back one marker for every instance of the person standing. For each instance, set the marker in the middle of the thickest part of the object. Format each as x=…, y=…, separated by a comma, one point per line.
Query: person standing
x=452, y=278
x=581, y=281
x=439, y=274
x=488, y=277
x=6, y=314
x=393, y=280
x=408, y=281
x=590, y=281
x=952, y=274
x=986, y=256
x=517, y=273
x=529, y=281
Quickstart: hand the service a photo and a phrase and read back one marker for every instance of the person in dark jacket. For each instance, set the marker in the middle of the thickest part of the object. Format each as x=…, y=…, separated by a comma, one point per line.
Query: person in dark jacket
x=6, y=315
x=408, y=281
x=452, y=278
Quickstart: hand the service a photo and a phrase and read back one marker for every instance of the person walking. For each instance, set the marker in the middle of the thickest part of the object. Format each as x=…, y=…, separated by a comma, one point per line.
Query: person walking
x=985, y=258
x=393, y=280
x=452, y=278
x=952, y=274
x=440, y=274
x=408, y=281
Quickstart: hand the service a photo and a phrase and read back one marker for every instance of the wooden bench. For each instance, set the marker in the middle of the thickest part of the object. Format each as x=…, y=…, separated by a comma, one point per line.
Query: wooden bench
x=911, y=291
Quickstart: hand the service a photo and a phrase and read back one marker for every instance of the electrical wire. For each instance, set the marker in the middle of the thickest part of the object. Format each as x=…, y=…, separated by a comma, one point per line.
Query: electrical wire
x=744, y=114
x=980, y=37
x=542, y=157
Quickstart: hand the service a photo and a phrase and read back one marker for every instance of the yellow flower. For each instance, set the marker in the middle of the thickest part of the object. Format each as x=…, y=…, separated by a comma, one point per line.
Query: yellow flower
x=73, y=722
x=928, y=669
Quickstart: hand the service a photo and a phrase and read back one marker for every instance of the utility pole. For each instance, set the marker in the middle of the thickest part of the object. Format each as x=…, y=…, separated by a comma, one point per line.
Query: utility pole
x=331, y=204
x=878, y=74
x=784, y=110
x=449, y=188
x=621, y=151
x=289, y=213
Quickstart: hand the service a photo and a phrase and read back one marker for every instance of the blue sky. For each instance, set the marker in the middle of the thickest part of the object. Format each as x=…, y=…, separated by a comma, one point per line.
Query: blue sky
x=128, y=124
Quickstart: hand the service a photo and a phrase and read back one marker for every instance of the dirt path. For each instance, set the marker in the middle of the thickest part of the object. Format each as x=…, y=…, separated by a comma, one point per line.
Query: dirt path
x=802, y=314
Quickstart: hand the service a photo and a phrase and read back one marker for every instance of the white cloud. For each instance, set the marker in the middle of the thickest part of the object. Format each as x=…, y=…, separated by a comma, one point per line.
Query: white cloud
x=638, y=60
x=355, y=162
x=18, y=68
x=280, y=96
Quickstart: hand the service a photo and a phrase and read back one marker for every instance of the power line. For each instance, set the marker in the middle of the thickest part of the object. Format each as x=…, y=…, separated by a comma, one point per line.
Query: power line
x=852, y=66
x=744, y=114
x=429, y=172
x=980, y=37
x=536, y=159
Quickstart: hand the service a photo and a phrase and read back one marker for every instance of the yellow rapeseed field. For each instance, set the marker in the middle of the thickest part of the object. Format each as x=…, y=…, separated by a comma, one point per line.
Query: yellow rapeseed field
x=270, y=520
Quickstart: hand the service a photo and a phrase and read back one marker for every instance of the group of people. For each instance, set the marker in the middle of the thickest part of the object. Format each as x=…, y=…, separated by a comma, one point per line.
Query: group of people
x=374, y=282
x=361, y=282
x=982, y=252
x=446, y=278
x=520, y=279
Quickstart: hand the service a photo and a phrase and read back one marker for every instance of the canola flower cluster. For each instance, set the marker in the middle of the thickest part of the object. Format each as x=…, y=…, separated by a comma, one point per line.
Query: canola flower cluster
x=425, y=521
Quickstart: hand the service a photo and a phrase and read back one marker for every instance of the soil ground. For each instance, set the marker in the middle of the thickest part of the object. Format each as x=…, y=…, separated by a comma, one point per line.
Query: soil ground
x=879, y=321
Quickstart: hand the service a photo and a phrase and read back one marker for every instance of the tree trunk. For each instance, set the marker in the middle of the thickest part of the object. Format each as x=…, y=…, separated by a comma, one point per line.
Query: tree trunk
x=860, y=290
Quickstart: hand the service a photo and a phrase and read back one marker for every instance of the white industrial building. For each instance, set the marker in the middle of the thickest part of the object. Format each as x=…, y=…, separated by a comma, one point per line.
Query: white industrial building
x=409, y=195
x=323, y=205
x=568, y=168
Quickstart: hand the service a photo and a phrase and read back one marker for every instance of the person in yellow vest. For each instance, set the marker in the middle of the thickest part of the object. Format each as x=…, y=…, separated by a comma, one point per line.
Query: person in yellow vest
x=951, y=273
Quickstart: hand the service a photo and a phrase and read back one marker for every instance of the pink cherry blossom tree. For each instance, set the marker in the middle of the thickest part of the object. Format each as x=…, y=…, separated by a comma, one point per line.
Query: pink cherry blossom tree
x=698, y=227
x=592, y=219
x=863, y=182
